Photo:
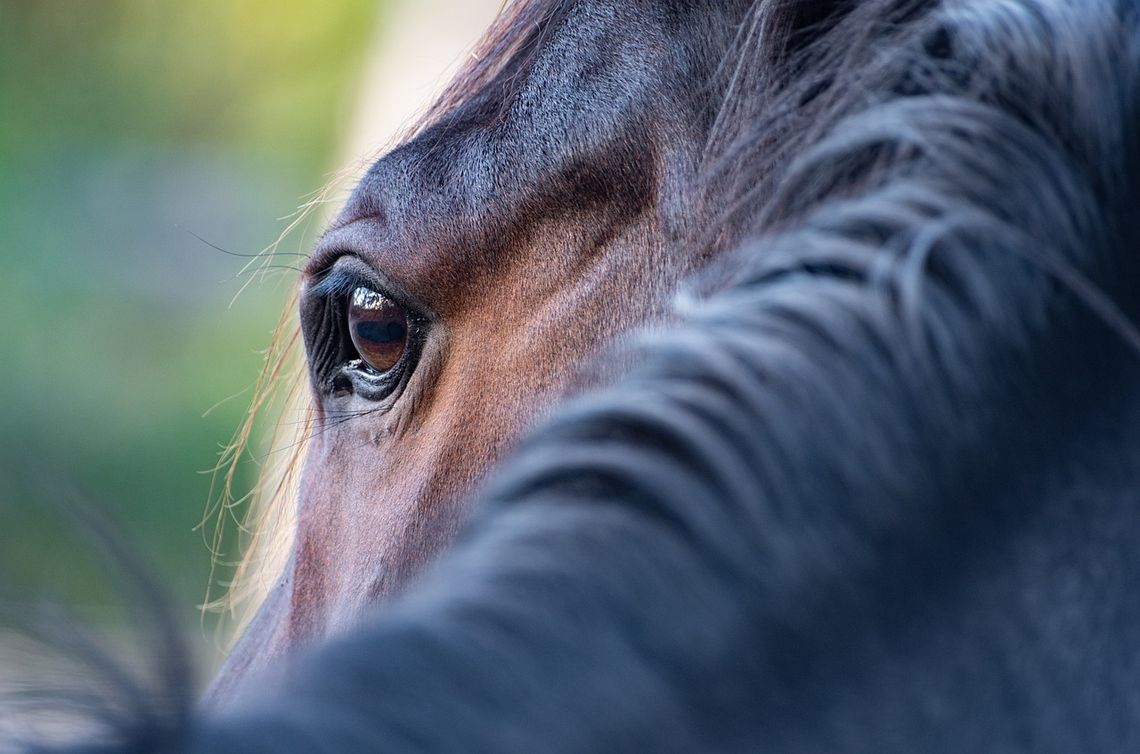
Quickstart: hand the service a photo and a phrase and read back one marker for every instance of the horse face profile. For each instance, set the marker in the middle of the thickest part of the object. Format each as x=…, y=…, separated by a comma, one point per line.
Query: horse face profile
x=537, y=217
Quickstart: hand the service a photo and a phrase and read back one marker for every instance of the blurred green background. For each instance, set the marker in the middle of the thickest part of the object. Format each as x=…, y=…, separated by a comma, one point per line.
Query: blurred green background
x=127, y=127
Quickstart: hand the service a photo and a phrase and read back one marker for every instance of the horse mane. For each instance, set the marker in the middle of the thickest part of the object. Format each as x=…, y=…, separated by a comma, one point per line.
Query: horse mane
x=932, y=207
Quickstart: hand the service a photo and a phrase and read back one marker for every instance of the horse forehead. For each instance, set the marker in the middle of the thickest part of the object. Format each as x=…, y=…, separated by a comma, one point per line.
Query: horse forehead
x=579, y=130
x=598, y=77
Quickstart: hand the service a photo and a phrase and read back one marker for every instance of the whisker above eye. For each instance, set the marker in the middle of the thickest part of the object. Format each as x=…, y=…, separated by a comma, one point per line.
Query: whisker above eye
x=266, y=268
x=268, y=253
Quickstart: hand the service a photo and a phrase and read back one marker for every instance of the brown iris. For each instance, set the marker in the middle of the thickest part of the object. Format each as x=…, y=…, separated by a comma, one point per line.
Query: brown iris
x=378, y=327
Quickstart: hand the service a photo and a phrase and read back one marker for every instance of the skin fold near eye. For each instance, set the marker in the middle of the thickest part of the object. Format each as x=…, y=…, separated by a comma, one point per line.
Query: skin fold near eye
x=378, y=327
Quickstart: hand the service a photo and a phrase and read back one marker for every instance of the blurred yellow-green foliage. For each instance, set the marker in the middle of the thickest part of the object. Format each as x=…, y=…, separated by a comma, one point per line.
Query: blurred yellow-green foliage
x=127, y=127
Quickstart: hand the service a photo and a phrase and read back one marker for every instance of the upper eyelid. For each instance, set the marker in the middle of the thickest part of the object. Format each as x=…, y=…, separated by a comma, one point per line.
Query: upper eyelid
x=349, y=272
x=337, y=280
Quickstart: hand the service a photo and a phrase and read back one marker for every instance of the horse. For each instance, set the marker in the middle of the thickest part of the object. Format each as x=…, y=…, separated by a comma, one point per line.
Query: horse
x=865, y=479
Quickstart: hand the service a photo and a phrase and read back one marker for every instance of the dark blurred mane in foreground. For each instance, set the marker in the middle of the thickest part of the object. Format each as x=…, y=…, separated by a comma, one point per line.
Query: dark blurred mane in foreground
x=878, y=491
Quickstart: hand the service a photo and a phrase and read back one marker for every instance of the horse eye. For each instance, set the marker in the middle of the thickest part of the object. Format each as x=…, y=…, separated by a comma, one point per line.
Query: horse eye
x=378, y=327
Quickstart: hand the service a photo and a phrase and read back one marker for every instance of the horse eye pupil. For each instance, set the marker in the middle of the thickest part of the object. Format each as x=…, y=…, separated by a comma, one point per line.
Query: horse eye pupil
x=378, y=327
x=380, y=332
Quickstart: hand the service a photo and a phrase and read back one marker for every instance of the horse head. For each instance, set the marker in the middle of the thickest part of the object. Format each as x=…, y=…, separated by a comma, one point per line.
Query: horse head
x=474, y=274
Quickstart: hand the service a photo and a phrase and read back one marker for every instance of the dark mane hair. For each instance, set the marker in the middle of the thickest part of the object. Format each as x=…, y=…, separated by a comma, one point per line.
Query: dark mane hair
x=790, y=528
